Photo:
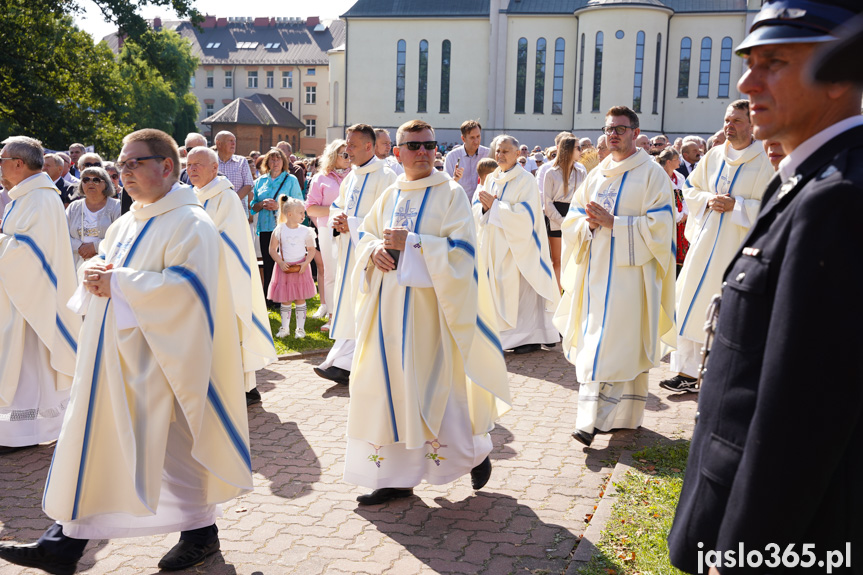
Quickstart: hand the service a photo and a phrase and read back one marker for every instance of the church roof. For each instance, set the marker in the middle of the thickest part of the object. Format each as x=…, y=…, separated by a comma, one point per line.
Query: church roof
x=257, y=110
x=570, y=6
x=413, y=9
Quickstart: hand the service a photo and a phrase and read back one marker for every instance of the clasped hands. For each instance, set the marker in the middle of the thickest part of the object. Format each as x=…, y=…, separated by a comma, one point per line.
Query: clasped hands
x=340, y=223
x=87, y=250
x=394, y=239
x=486, y=199
x=721, y=203
x=97, y=279
x=598, y=216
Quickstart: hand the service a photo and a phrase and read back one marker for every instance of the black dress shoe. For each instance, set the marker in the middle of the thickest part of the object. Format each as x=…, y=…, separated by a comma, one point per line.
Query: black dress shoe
x=479, y=475
x=383, y=495
x=6, y=450
x=187, y=554
x=526, y=348
x=35, y=555
x=253, y=397
x=333, y=373
x=583, y=437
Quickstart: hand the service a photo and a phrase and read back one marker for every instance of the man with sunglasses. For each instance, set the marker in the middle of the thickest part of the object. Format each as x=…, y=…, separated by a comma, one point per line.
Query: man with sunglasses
x=156, y=435
x=429, y=379
x=39, y=334
x=618, y=274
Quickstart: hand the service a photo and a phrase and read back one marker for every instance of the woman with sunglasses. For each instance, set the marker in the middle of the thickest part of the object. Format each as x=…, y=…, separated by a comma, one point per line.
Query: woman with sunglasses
x=323, y=191
x=90, y=215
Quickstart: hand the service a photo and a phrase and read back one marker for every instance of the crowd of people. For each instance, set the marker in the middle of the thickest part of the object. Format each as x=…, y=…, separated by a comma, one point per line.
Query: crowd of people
x=130, y=337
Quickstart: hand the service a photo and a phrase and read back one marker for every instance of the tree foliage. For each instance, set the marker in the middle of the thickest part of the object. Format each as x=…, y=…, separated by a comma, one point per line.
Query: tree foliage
x=59, y=87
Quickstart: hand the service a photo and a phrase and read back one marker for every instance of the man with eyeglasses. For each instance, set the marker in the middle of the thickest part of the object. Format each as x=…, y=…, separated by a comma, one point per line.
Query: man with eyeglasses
x=40, y=334
x=156, y=435
x=723, y=195
x=618, y=277
x=429, y=379
x=53, y=166
x=358, y=192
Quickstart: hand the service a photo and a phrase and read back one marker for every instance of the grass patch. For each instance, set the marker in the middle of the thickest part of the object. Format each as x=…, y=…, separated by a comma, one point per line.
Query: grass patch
x=633, y=542
x=315, y=338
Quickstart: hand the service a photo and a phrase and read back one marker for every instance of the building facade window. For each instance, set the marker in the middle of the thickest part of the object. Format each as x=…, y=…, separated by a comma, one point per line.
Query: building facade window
x=557, y=87
x=253, y=79
x=210, y=79
x=289, y=106
x=401, y=57
x=638, y=80
x=287, y=80
x=209, y=109
x=270, y=79
x=597, y=72
x=192, y=82
x=683, y=74
x=521, y=76
x=311, y=95
x=580, y=73
x=310, y=128
x=704, y=68
x=539, y=78
x=445, y=61
x=656, y=74
x=310, y=72
x=229, y=78
x=725, y=67
x=423, y=81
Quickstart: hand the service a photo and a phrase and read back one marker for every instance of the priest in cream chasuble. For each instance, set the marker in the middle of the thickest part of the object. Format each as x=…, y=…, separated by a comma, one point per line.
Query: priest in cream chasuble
x=723, y=194
x=513, y=253
x=38, y=334
x=216, y=194
x=618, y=271
x=368, y=179
x=428, y=379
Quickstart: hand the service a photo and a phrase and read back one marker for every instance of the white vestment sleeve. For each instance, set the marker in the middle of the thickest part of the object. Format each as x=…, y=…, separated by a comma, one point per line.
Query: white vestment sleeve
x=738, y=214
x=123, y=315
x=80, y=300
x=354, y=225
x=412, y=270
x=494, y=214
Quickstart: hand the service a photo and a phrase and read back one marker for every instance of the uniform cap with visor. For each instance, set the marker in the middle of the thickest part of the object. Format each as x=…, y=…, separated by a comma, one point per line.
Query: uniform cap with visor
x=797, y=22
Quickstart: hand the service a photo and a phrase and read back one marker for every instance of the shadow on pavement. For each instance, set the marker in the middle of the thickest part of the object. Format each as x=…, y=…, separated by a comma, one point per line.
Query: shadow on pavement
x=459, y=536
x=267, y=379
x=597, y=459
x=281, y=453
x=500, y=436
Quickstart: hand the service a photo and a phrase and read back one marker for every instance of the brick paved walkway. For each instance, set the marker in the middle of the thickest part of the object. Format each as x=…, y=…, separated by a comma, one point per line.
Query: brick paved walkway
x=302, y=519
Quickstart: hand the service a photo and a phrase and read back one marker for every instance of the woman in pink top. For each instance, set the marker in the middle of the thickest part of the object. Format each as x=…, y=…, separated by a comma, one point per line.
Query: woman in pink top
x=324, y=190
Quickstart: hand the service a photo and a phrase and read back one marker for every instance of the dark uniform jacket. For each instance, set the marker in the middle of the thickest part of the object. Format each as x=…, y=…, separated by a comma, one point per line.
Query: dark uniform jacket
x=777, y=451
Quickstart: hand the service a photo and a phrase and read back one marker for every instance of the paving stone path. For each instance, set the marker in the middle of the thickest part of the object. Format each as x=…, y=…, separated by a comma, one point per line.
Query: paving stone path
x=303, y=519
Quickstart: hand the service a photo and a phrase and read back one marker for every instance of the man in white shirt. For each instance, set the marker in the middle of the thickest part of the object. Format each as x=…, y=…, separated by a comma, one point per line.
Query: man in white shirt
x=461, y=162
x=530, y=163
x=383, y=147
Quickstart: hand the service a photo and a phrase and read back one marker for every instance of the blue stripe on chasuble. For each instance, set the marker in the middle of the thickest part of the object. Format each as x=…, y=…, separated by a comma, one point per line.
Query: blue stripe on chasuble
x=386, y=368
x=231, y=429
x=267, y=333
x=64, y=331
x=462, y=245
x=536, y=241
x=488, y=333
x=6, y=216
x=608, y=283
x=138, y=239
x=199, y=288
x=94, y=388
x=28, y=241
x=237, y=253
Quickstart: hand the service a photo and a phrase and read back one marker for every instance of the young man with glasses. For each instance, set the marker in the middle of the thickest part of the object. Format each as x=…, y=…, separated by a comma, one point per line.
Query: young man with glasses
x=40, y=333
x=618, y=275
x=156, y=435
x=428, y=380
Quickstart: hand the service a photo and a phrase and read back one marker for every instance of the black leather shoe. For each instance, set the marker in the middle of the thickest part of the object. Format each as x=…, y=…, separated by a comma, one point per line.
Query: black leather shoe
x=583, y=437
x=333, y=373
x=187, y=554
x=383, y=495
x=6, y=450
x=479, y=475
x=526, y=348
x=253, y=397
x=35, y=555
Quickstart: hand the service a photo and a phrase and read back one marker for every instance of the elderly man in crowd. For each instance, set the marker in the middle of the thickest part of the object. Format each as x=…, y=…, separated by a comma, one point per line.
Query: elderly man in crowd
x=690, y=155
x=88, y=160
x=723, y=195
x=156, y=435
x=602, y=147
x=75, y=153
x=643, y=142
x=585, y=144
x=513, y=253
x=619, y=295
x=67, y=168
x=530, y=163
x=462, y=160
x=429, y=379
x=234, y=167
x=53, y=165
x=39, y=337
x=788, y=335
x=193, y=140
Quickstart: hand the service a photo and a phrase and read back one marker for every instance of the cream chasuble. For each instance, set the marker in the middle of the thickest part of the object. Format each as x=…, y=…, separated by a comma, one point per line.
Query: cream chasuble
x=162, y=353
x=513, y=250
x=619, y=287
x=715, y=237
x=424, y=351
x=256, y=340
x=38, y=334
x=357, y=193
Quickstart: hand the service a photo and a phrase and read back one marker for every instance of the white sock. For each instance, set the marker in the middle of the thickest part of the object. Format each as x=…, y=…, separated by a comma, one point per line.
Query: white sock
x=301, y=316
x=286, y=316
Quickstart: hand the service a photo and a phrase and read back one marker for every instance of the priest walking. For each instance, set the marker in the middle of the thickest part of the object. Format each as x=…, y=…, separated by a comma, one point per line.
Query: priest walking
x=618, y=271
x=428, y=379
